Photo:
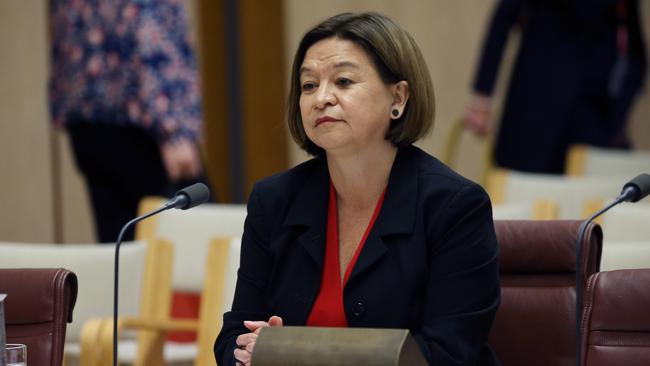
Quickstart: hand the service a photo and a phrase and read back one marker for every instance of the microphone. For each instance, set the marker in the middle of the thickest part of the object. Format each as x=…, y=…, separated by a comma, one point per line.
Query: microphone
x=633, y=191
x=184, y=199
x=636, y=189
x=190, y=196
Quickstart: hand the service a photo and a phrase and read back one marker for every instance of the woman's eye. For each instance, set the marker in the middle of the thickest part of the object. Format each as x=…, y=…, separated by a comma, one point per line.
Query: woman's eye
x=343, y=82
x=307, y=86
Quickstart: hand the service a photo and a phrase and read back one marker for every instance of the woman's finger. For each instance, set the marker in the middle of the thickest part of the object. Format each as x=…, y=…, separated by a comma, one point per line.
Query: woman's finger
x=254, y=325
x=275, y=321
x=244, y=339
x=242, y=356
x=250, y=347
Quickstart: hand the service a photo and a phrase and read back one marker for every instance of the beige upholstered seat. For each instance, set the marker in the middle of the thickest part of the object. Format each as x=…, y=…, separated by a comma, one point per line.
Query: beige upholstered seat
x=626, y=242
x=583, y=160
x=575, y=197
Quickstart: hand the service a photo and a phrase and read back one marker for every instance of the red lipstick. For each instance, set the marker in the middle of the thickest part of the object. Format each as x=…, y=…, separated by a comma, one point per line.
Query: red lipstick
x=326, y=119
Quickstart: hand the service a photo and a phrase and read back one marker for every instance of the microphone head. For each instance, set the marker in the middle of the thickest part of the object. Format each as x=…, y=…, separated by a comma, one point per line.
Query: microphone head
x=638, y=188
x=191, y=196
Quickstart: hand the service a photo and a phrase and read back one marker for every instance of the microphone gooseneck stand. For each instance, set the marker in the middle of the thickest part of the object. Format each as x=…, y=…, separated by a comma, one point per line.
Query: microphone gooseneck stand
x=184, y=199
x=117, y=272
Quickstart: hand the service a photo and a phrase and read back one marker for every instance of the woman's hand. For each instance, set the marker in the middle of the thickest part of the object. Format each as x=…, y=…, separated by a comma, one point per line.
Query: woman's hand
x=181, y=159
x=246, y=341
x=477, y=115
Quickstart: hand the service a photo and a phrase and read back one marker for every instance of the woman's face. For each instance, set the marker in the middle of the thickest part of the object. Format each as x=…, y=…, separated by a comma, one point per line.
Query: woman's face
x=344, y=104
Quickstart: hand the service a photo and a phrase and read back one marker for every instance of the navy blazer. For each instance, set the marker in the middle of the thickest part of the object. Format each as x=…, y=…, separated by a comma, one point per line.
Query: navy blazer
x=429, y=263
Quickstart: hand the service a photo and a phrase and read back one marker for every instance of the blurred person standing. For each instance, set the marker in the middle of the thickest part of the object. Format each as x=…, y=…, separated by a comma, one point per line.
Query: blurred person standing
x=124, y=84
x=579, y=68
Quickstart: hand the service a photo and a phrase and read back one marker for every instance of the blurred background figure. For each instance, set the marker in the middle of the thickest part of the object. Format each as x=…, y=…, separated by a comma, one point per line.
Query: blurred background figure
x=124, y=84
x=579, y=68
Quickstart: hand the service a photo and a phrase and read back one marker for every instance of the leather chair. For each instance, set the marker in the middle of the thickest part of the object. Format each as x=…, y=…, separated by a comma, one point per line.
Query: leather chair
x=616, y=321
x=535, y=323
x=39, y=303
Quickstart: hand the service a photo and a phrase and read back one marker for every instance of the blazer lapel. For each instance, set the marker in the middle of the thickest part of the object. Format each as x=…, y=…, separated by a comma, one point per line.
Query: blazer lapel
x=397, y=214
x=309, y=210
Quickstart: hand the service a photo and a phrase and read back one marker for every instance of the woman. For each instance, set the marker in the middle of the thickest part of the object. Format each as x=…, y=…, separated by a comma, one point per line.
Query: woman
x=373, y=232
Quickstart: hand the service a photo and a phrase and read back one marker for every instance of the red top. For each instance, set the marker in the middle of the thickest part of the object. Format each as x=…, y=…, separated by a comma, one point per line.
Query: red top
x=328, y=310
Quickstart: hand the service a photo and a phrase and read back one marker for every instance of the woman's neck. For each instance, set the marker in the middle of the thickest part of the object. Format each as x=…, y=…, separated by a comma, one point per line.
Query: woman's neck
x=361, y=178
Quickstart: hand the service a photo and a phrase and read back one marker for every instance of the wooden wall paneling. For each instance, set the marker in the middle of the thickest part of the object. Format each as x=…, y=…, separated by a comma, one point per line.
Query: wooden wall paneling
x=263, y=89
x=211, y=48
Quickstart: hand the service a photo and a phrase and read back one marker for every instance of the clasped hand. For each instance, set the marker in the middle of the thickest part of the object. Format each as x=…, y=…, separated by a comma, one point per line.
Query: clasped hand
x=246, y=341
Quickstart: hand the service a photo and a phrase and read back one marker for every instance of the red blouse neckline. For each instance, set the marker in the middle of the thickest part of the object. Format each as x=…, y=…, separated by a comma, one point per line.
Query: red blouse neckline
x=328, y=309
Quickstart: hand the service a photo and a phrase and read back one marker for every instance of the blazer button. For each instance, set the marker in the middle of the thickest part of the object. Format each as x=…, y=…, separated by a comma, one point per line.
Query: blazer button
x=358, y=309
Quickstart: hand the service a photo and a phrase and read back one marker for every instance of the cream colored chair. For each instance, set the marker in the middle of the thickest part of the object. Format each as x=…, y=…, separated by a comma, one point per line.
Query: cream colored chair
x=625, y=255
x=221, y=264
x=521, y=210
x=525, y=210
x=575, y=197
x=144, y=288
x=627, y=222
x=584, y=160
x=457, y=136
x=190, y=232
x=626, y=239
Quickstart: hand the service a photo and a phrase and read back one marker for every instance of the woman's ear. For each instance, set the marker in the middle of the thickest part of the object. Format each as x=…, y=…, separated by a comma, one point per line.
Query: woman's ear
x=400, y=96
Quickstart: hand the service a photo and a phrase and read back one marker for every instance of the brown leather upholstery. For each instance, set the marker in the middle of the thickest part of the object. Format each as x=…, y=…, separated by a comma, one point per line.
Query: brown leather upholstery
x=616, y=322
x=535, y=323
x=39, y=303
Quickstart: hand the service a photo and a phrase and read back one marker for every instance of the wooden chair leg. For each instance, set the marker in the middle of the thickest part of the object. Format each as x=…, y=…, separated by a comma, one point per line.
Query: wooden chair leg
x=90, y=341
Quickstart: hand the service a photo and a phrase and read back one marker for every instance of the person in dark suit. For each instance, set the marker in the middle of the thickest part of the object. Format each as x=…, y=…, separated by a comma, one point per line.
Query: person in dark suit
x=579, y=68
x=372, y=232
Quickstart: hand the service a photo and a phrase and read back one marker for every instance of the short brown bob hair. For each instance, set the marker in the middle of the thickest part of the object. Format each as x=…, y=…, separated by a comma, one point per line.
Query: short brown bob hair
x=396, y=57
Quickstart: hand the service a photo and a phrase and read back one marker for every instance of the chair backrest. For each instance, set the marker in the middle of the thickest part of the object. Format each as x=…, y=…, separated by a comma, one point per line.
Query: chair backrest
x=616, y=321
x=459, y=135
x=190, y=232
x=584, y=160
x=218, y=292
x=571, y=194
x=535, y=323
x=38, y=306
x=93, y=265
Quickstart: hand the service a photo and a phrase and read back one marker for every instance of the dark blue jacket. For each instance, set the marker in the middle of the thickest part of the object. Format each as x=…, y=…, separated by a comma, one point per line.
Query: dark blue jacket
x=429, y=263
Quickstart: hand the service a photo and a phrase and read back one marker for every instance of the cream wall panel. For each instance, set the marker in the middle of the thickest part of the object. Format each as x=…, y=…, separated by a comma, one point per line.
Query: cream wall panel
x=42, y=195
x=26, y=188
x=77, y=222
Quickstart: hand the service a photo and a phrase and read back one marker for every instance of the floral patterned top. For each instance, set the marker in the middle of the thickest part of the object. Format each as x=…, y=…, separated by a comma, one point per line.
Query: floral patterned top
x=124, y=62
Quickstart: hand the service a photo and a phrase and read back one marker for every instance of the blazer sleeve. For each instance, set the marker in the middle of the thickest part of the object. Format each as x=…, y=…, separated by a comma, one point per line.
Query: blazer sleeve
x=504, y=17
x=250, y=301
x=463, y=291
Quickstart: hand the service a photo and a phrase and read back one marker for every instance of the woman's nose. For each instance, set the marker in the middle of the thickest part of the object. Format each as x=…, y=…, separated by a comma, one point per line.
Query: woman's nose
x=325, y=96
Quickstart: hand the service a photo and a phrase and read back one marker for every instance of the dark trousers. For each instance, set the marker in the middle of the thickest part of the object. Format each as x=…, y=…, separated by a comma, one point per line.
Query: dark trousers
x=121, y=165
